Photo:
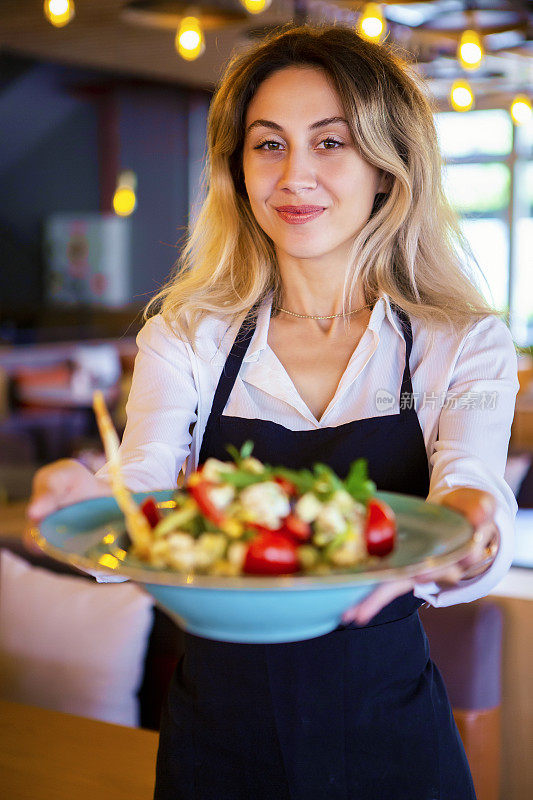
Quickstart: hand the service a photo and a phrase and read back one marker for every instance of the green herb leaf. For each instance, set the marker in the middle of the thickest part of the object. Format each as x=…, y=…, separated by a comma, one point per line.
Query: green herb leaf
x=325, y=474
x=357, y=482
x=303, y=479
x=234, y=453
x=246, y=449
x=241, y=479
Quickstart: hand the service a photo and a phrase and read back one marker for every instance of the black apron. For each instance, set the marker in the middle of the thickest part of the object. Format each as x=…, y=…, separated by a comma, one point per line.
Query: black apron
x=360, y=713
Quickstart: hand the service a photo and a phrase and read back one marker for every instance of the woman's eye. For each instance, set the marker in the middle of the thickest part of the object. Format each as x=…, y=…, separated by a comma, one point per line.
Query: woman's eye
x=261, y=145
x=332, y=141
x=328, y=141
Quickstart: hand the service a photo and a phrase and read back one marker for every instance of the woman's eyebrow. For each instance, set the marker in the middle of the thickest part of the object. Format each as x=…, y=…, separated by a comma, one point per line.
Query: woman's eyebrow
x=266, y=123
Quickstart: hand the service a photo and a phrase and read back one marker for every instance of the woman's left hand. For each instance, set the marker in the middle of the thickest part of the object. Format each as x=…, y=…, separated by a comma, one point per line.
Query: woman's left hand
x=479, y=508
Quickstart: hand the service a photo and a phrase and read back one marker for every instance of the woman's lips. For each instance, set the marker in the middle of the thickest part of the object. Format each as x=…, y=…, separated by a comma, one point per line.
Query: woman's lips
x=299, y=217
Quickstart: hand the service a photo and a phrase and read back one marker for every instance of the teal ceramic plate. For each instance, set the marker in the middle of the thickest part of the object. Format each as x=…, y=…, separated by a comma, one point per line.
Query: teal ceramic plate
x=249, y=608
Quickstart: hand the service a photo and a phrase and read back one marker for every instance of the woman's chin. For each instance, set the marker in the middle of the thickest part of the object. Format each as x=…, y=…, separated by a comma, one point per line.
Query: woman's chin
x=307, y=251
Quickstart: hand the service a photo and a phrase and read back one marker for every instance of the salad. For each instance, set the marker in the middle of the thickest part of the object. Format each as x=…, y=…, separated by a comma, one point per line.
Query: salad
x=245, y=517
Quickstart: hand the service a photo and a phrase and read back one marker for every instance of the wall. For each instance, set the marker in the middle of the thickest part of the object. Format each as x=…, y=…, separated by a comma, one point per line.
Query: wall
x=50, y=161
x=47, y=163
x=153, y=126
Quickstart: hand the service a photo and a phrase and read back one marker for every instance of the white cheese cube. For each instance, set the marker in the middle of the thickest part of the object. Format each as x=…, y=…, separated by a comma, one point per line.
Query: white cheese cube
x=308, y=507
x=267, y=502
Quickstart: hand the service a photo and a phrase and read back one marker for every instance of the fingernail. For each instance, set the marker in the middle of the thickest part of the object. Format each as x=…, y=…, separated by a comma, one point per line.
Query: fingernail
x=351, y=616
x=488, y=502
x=454, y=574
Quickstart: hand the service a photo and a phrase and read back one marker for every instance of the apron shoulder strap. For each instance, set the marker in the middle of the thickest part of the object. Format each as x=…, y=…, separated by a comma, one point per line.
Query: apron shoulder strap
x=233, y=363
x=407, y=387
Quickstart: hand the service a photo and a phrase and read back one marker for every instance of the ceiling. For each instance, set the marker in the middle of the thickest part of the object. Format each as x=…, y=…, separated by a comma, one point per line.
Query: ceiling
x=104, y=35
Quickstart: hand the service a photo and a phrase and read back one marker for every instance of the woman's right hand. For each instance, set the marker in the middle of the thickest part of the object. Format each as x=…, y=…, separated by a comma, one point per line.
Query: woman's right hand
x=60, y=484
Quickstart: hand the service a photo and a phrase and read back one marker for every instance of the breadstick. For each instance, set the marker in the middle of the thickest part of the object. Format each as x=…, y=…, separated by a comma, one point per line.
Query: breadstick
x=136, y=523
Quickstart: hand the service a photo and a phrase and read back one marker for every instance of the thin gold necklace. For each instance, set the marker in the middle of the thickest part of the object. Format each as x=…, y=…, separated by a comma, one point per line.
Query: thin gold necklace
x=330, y=316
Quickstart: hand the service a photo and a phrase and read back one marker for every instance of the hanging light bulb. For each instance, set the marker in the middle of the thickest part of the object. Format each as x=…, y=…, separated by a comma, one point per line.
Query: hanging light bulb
x=372, y=23
x=521, y=110
x=124, y=199
x=256, y=6
x=470, y=50
x=190, y=42
x=59, y=12
x=461, y=96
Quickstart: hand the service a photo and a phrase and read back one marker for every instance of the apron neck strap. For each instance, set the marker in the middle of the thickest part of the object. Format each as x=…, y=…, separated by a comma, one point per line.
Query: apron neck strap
x=406, y=391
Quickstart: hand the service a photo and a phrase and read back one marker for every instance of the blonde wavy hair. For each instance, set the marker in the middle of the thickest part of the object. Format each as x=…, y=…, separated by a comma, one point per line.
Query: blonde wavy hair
x=411, y=247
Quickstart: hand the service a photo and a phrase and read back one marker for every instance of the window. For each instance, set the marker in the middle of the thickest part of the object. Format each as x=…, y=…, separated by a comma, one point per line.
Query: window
x=488, y=178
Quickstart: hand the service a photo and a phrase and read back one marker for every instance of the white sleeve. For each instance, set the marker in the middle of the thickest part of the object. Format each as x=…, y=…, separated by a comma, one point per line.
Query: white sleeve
x=161, y=410
x=472, y=444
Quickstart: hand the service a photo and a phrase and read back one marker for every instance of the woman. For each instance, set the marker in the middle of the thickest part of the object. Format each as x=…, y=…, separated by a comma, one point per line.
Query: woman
x=321, y=310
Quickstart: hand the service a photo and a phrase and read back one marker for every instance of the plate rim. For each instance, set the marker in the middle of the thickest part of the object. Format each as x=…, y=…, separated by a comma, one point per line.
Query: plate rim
x=172, y=578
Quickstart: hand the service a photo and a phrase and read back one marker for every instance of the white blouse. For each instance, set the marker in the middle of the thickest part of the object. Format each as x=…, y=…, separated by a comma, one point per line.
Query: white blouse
x=464, y=391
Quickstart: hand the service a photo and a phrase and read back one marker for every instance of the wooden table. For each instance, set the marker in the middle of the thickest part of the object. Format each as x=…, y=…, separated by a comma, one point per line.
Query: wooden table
x=13, y=518
x=48, y=755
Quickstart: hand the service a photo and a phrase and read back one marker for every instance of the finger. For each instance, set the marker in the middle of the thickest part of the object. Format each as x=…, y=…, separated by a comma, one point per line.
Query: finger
x=52, y=487
x=477, y=569
x=381, y=596
x=449, y=576
x=486, y=543
x=476, y=563
x=50, y=478
x=42, y=505
x=37, y=509
x=50, y=474
x=487, y=534
x=485, y=546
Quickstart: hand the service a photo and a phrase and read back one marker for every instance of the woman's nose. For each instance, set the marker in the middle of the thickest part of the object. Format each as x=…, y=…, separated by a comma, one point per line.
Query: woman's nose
x=297, y=172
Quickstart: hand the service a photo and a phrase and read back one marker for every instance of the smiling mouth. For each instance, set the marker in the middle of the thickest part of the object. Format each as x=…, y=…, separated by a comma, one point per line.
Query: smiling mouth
x=294, y=217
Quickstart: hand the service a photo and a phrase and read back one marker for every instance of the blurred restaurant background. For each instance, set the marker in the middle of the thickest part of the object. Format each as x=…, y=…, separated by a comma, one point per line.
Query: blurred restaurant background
x=103, y=107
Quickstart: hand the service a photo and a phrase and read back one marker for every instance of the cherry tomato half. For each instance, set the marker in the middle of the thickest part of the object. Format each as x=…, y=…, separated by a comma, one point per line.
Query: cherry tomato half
x=291, y=526
x=380, y=528
x=287, y=485
x=271, y=554
x=200, y=491
x=151, y=511
x=297, y=528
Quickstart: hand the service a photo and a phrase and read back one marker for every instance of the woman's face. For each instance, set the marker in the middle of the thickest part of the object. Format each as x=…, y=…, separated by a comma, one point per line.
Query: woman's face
x=298, y=152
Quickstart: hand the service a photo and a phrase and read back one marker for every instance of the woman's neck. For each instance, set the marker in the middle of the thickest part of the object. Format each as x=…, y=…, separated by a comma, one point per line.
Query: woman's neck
x=317, y=292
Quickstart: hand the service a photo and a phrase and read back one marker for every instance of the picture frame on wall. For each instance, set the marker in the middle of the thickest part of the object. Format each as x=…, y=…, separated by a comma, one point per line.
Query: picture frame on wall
x=87, y=260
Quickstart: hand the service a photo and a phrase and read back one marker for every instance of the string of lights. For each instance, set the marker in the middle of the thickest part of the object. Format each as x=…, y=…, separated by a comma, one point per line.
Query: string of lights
x=371, y=21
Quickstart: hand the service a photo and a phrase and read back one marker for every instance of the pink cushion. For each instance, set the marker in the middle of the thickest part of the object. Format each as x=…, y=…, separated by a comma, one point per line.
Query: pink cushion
x=71, y=644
